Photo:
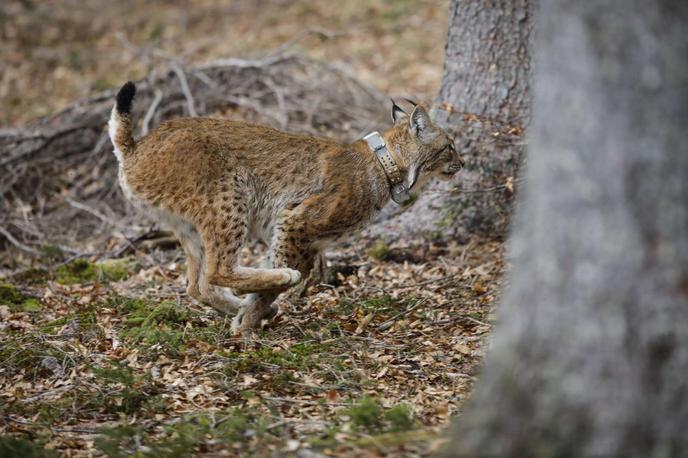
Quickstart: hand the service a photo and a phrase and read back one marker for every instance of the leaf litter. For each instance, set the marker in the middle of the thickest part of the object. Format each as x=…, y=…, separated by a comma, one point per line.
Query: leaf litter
x=374, y=362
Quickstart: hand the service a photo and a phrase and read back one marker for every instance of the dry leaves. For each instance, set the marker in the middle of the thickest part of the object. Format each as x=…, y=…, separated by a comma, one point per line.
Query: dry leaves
x=407, y=333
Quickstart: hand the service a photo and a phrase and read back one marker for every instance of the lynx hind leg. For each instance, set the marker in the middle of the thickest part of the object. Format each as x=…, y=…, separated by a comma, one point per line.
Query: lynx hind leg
x=223, y=228
x=258, y=307
x=220, y=299
x=289, y=250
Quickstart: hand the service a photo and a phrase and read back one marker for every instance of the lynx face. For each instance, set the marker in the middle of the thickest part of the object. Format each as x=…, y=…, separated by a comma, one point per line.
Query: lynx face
x=428, y=148
x=441, y=160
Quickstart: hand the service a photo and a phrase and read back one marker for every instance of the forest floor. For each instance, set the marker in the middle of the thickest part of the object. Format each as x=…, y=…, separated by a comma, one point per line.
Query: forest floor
x=110, y=357
x=114, y=358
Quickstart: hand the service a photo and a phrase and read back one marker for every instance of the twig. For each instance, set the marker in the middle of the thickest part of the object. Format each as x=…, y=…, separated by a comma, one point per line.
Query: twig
x=46, y=394
x=459, y=318
x=129, y=243
x=92, y=211
x=427, y=282
x=185, y=89
x=389, y=323
x=151, y=111
x=17, y=243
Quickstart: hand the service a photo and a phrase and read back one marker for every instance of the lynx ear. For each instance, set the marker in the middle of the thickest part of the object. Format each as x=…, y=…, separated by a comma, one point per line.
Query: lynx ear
x=397, y=112
x=421, y=124
x=411, y=102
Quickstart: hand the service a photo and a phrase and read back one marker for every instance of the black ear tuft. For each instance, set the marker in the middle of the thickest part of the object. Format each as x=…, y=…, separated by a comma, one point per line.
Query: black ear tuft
x=397, y=111
x=125, y=96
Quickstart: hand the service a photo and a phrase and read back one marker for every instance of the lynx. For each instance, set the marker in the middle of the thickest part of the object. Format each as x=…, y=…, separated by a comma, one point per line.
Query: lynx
x=217, y=182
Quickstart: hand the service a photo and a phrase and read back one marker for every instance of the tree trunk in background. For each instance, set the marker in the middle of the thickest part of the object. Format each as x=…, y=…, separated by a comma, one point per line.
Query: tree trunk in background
x=485, y=99
x=590, y=357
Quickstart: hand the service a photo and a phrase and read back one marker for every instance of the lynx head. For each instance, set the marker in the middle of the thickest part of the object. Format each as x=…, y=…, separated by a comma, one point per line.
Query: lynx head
x=425, y=149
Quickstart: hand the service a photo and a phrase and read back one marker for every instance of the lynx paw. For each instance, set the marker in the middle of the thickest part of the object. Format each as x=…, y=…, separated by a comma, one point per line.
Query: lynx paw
x=291, y=277
x=248, y=319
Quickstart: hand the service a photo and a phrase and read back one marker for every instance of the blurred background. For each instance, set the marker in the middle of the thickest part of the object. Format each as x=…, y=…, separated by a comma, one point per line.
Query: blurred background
x=55, y=52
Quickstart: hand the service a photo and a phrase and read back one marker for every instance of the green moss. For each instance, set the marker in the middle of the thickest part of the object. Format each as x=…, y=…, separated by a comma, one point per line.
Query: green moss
x=11, y=446
x=52, y=252
x=377, y=304
x=16, y=300
x=26, y=352
x=374, y=304
x=117, y=373
x=33, y=277
x=87, y=319
x=184, y=438
x=83, y=271
x=399, y=418
x=123, y=304
x=379, y=250
x=10, y=295
x=117, y=269
x=299, y=357
x=31, y=305
x=130, y=393
x=366, y=415
x=148, y=324
x=215, y=333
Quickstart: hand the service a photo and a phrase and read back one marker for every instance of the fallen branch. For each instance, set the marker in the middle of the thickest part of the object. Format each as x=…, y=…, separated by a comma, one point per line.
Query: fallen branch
x=389, y=323
x=70, y=150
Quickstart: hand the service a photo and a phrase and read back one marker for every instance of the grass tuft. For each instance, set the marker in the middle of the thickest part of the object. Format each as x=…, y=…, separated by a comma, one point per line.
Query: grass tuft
x=32, y=277
x=379, y=250
x=16, y=300
x=399, y=418
x=190, y=435
x=83, y=271
x=369, y=415
x=366, y=415
x=11, y=446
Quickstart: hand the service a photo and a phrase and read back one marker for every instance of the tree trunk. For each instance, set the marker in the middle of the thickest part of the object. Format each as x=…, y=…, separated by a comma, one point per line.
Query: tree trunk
x=487, y=64
x=485, y=99
x=590, y=357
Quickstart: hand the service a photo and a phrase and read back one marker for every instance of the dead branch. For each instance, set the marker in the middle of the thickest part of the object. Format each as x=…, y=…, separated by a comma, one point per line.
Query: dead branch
x=65, y=158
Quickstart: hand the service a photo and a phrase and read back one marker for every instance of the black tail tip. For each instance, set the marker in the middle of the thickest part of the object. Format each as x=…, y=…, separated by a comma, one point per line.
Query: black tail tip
x=125, y=96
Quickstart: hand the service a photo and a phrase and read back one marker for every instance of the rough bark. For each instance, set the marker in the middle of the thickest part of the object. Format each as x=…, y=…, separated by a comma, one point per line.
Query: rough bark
x=485, y=99
x=590, y=357
x=487, y=65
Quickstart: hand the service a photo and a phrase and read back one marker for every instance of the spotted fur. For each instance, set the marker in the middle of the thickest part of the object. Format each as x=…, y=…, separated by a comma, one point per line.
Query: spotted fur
x=217, y=182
